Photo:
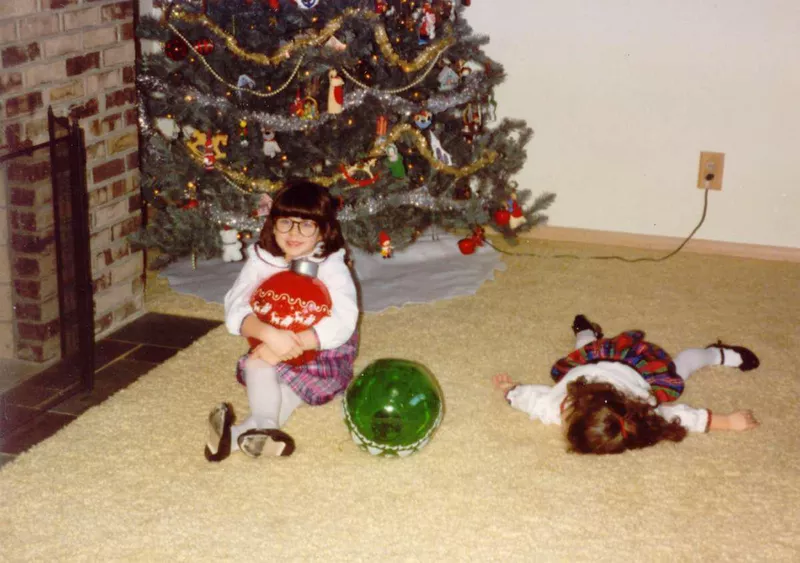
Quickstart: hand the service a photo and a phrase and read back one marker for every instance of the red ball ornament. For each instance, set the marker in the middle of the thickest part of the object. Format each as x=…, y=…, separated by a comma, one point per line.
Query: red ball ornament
x=176, y=49
x=466, y=245
x=191, y=204
x=204, y=46
x=502, y=217
x=293, y=300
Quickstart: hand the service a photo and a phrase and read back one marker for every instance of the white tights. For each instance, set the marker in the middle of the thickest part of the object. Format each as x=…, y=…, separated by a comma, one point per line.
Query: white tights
x=271, y=400
x=686, y=363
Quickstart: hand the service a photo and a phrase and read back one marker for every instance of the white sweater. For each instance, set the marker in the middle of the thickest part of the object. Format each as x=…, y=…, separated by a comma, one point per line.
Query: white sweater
x=331, y=331
x=543, y=402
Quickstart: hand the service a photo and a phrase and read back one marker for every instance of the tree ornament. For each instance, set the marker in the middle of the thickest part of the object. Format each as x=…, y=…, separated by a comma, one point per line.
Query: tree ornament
x=426, y=32
x=386, y=245
x=310, y=109
x=423, y=119
x=296, y=108
x=275, y=5
x=502, y=217
x=469, y=244
x=176, y=49
x=473, y=122
x=381, y=126
x=439, y=152
x=448, y=78
x=360, y=174
x=231, y=245
x=335, y=92
x=209, y=158
x=243, y=141
x=204, y=46
x=190, y=204
x=393, y=407
x=292, y=300
x=395, y=161
x=517, y=218
x=245, y=82
x=270, y=147
x=307, y=4
x=466, y=246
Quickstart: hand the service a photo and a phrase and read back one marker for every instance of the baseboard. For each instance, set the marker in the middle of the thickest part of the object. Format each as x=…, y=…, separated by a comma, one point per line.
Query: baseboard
x=655, y=242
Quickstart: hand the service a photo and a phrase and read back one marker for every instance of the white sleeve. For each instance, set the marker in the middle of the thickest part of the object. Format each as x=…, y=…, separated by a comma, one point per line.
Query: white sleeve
x=538, y=401
x=237, y=299
x=694, y=420
x=335, y=330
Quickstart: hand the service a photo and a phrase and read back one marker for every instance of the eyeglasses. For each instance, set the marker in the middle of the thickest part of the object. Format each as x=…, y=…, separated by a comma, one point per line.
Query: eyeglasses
x=306, y=227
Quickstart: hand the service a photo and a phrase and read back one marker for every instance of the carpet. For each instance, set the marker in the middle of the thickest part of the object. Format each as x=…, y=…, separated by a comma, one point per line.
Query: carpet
x=127, y=480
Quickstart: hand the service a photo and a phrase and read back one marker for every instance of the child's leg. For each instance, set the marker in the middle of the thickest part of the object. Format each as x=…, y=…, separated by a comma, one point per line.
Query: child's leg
x=583, y=338
x=693, y=359
x=264, y=396
x=289, y=402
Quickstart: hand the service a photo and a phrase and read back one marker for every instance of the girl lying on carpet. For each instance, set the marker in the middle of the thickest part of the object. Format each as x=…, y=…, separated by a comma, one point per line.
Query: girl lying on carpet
x=302, y=223
x=616, y=394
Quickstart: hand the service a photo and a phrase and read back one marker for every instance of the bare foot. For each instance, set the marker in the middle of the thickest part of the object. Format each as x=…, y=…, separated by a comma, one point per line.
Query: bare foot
x=503, y=382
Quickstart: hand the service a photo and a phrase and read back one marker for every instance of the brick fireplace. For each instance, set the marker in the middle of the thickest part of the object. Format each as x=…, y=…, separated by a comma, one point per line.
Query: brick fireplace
x=76, y=56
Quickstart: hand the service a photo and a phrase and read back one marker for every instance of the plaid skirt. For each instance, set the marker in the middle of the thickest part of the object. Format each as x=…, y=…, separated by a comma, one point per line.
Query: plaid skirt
x=648, y=359
x=320, y=380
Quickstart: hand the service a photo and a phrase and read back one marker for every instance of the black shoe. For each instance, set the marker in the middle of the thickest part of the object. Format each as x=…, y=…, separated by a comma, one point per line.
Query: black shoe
x=218, y=443
x=749, y=359
x=268, y=442
x=581, y=323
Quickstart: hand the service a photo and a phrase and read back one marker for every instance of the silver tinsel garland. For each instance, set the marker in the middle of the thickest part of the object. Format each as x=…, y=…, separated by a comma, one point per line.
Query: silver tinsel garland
x=435, y=104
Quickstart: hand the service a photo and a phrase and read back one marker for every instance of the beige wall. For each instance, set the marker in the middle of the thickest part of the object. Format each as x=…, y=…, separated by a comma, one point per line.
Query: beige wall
x=623, y=95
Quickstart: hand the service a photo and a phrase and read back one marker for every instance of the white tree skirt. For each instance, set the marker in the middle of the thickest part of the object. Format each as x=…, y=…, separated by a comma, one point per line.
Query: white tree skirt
x=426, y=271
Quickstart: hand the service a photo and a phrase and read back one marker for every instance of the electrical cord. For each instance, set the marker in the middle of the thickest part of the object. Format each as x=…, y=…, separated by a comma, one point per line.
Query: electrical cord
x=622, y=258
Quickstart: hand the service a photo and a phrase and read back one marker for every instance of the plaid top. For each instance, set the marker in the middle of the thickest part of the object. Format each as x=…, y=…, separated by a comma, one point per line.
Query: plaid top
x=630, y=347
x=321, y=379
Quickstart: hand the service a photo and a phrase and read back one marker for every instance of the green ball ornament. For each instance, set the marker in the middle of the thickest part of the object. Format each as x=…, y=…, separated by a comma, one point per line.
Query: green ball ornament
x=393, y=407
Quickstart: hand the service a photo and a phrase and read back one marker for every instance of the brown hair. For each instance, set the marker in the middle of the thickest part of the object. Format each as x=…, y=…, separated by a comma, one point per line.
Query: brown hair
x=306, y=200
x=602, y=420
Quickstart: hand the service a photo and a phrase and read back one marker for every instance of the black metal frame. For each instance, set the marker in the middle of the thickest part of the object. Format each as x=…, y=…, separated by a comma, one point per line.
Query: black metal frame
x=71, y=213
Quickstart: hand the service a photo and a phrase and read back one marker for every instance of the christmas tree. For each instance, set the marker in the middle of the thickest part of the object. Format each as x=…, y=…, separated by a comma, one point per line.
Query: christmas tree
x=388, y=103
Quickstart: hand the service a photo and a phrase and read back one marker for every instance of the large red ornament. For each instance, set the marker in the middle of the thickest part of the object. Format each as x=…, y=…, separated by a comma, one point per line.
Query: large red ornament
x=176, y=49
x=502, y=217
x=204, y=46
x=293, y=300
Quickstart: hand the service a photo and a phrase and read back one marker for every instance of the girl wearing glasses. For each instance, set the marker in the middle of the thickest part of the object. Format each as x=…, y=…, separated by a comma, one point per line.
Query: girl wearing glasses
x=302, y=223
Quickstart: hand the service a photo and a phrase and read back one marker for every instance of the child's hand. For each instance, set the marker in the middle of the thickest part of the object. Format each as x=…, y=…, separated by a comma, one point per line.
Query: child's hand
x=737, y=420
x=742, y=420
x=503, y=382
x=265, y=353
x=285, y=344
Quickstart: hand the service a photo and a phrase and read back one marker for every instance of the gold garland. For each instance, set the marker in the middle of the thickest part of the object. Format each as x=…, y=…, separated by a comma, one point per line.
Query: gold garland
x=266, y=185
x=210, y=69
x=308, y=39
x=421, y=143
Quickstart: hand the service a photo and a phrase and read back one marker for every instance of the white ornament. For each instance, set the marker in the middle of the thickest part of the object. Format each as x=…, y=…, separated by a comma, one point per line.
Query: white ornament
x=271, y=147
x=231, y=245
x=440, y=154
x=167, y=127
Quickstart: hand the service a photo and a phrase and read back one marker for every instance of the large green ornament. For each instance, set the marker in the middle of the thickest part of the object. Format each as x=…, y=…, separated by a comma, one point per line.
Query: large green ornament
x=393, y=407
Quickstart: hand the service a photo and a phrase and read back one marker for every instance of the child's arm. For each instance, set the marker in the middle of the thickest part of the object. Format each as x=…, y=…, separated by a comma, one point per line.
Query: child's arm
x=538, y=401
x=333, y=331
x=703, y=420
